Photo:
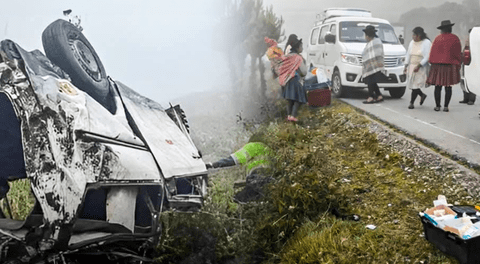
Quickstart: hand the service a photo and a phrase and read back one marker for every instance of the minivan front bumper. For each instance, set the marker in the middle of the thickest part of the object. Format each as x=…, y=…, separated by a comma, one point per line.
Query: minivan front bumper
x=352, y=77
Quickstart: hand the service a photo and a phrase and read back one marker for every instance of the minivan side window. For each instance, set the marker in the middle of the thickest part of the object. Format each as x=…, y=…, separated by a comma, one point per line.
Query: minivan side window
x=323, y=32
x=314, y=36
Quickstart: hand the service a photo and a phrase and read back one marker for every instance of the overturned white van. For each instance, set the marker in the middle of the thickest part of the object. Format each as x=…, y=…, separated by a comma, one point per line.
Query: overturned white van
x=336, y=43
x=101, y=160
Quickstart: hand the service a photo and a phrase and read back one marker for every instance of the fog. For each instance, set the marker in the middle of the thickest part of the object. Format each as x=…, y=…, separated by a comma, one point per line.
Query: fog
x=300, y=15
x=161, y=49
x=165, y=49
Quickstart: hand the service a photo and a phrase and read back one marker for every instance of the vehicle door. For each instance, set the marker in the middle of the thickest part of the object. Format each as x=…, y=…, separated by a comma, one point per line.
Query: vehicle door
x=321, y=46
x=331, y=52
x=313, y=48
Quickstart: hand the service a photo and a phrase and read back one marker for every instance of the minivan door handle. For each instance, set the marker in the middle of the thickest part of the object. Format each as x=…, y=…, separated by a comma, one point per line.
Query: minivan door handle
x=312, y=54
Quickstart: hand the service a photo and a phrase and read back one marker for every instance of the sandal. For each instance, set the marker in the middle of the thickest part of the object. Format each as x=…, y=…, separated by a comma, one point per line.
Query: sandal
x=380, y=100
x=292, y=118
x=368, y=101
x=445, y=109
x=437, y=108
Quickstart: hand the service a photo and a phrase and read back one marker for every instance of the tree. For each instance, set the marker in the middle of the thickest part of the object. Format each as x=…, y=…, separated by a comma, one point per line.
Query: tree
x=464, y=15
x=273, y=29
x=232, y=31
x=267, y=24
x=243, y=27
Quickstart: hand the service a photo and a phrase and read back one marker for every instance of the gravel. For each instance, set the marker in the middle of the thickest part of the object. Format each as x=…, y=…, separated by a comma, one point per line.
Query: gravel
x=426, y=156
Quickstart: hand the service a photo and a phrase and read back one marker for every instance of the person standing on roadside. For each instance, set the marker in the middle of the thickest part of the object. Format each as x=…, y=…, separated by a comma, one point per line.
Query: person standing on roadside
x=468, y=97
x=445, y=60
x=416, y=64
x=373, y=65
x=291, y=74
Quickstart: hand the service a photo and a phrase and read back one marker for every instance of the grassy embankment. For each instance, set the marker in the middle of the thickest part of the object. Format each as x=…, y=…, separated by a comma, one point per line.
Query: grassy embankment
x=330, y=159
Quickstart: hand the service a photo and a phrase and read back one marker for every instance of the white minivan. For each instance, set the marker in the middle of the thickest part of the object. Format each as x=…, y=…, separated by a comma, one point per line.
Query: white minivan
x=336, y=43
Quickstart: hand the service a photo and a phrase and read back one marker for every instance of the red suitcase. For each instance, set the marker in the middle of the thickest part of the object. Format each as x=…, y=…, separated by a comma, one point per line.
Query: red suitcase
x=319, y=97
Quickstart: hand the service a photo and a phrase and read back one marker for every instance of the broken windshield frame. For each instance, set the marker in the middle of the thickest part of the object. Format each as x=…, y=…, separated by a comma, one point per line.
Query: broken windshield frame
x=352, y=31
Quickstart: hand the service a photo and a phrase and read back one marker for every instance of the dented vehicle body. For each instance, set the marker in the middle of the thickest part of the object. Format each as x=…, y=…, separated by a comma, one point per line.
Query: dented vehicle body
x=100, y=175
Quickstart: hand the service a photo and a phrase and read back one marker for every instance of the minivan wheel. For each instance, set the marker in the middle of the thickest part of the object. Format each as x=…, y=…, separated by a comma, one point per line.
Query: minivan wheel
x=337, y=88
x=397, y=92
x=68, y=48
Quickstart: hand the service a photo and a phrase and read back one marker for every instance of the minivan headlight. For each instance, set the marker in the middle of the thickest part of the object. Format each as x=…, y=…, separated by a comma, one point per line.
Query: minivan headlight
x=401, y=61
x=350, y=58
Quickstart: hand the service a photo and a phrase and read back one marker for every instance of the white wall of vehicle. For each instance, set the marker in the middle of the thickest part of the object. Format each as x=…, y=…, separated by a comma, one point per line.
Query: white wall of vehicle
x=121, y=206
x=172, y=149
x=130, y=165
x=472, y=71
x=332, y=50
x=59, y=164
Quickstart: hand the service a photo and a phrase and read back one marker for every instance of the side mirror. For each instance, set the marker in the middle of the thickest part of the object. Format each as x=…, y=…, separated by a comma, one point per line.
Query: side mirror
x=329, y=38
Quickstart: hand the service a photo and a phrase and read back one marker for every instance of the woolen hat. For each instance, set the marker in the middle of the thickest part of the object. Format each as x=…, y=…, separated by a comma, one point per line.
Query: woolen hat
x=445, y=24
x=370, y=31
x=295, y=42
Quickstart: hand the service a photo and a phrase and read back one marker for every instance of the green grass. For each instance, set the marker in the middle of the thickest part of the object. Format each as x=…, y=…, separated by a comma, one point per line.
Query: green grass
x=20, y=199
x=330, y=159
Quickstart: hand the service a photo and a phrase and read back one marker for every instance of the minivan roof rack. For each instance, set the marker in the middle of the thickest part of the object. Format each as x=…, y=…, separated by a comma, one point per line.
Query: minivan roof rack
x=339, y=12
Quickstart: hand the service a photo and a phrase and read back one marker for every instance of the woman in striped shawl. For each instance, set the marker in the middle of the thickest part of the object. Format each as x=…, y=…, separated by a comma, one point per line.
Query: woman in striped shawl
x=373, y=64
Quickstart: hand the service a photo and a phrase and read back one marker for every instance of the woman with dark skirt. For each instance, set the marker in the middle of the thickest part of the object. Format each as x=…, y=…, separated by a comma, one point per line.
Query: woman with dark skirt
x=291, y=74
x=445, y=60
x=373, y=65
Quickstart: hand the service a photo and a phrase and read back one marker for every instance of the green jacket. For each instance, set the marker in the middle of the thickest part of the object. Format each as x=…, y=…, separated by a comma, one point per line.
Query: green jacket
x=254, y=155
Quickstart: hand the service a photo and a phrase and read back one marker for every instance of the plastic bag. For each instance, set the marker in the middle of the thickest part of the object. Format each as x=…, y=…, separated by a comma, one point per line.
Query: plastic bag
x=321, y=76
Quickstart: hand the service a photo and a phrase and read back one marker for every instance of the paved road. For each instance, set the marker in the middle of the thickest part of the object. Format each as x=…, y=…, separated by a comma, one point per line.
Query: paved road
x=457, y=131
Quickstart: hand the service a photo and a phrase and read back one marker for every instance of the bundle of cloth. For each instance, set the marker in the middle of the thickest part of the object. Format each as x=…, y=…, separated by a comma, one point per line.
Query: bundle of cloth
x=283, y=66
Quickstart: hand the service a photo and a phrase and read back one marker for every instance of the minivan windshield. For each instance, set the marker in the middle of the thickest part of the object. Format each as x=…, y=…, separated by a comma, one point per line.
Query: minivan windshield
x=352, y=31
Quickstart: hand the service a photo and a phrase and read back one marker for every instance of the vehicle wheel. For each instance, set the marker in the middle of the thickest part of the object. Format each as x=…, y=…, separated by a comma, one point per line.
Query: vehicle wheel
x=68, y=48
x=337, y=89
x=397, y=92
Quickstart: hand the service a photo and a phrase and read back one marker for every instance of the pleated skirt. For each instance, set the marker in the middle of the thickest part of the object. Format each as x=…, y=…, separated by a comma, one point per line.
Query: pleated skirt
x=295, y=91
x=444, y=74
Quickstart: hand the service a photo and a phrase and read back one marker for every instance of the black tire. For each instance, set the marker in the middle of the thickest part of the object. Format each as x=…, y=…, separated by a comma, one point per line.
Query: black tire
x=68, y=48
x=338, y=90
x=397, y=92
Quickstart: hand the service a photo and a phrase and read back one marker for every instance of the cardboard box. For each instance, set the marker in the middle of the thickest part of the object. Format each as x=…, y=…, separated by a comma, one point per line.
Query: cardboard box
x=440, y=208
x=458, y=226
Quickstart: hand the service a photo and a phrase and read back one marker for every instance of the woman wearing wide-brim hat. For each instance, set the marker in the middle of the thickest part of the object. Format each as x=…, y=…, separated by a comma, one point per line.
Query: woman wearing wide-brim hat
x=446, y=60
x=373, y=65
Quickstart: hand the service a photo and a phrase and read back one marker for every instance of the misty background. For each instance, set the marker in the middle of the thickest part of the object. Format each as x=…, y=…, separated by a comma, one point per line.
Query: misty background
x=208, y=55
x=300, y=15
x=162, y=49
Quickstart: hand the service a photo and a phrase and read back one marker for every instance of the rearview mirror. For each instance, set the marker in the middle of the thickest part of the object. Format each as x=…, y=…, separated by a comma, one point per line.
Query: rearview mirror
x=329, y=38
